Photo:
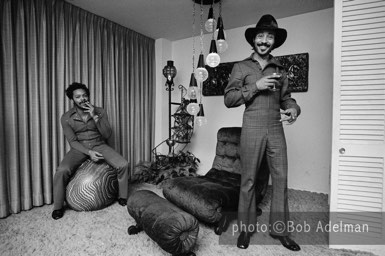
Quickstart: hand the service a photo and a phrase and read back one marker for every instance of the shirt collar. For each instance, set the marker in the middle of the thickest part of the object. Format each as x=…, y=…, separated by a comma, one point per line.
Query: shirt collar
x=270, y=61
x=74, y=114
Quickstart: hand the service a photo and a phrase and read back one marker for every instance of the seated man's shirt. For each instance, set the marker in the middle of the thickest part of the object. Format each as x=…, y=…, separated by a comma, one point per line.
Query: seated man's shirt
x=84, y=135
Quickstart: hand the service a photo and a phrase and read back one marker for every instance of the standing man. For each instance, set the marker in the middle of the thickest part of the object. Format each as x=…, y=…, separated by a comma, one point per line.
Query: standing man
x=86, y=129
x=260, y=82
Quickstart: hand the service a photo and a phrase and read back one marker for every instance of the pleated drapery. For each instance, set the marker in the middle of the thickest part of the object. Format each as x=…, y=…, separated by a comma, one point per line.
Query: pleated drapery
x=45, y=46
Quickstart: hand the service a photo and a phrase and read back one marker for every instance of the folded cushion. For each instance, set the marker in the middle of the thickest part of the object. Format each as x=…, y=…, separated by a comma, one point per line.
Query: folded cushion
x=173, y=229
x=205, y=197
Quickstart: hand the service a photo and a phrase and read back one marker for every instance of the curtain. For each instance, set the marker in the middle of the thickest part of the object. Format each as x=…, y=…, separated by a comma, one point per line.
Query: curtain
x=45, y=46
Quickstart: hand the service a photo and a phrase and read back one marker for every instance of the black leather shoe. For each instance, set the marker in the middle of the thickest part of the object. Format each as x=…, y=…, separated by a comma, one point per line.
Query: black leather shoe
x=243, y=240
x=259, y=212
x=122, y=201
x=287, y=242
x=58, y=214
x=222, y=225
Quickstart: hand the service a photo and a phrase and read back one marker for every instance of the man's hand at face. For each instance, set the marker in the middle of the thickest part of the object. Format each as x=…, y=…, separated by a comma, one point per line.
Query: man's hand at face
x=289, y=115
x=95, y=156
x=89, y=109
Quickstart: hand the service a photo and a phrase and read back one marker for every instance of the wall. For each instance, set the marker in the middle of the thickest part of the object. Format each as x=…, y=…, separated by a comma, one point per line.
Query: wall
x=309, y=139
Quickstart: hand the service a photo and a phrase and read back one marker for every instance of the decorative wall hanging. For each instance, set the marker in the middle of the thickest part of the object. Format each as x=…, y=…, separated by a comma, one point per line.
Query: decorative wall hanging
x=296, y=66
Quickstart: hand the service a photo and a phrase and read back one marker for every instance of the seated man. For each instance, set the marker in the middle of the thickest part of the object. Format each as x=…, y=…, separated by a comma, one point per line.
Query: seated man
x=86, y=129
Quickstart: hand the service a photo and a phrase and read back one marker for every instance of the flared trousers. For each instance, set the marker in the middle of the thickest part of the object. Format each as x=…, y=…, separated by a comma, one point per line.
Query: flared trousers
x=263, y=135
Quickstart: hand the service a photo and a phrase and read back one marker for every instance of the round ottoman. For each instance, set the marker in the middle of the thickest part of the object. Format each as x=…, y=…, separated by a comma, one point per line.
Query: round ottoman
x=173, y=229
x=93, y=187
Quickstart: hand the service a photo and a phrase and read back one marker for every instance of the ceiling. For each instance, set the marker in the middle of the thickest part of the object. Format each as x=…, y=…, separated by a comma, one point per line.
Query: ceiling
x=173, y=19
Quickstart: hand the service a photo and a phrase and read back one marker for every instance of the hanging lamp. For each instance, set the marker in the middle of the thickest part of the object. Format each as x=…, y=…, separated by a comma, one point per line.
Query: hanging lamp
x=221, y=38
x=200, y=119
x=201, y=73
x=210, y=23
x=193, y=89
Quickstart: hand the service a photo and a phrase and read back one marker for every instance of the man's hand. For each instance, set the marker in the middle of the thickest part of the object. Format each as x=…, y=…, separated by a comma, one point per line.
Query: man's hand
x=95, y=156
x=289, y=115
x=90, y=109
x=267, y=82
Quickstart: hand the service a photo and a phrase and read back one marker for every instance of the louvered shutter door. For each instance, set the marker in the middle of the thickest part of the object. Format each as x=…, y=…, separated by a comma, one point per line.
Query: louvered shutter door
x=358, y=151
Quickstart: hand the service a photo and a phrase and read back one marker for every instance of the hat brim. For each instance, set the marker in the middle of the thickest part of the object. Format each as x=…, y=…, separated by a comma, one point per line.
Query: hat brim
x=280, y=35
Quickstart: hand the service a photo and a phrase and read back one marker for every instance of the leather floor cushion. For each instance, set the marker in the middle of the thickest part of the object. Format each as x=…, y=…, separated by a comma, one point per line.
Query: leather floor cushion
x=173, y=229
x=205, y=197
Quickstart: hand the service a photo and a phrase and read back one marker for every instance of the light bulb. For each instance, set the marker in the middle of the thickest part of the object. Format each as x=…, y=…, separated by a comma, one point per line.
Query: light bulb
x=201, y=74
x=193, y=92
x=210, y=24
x=222, y=45
x=200, y=120
x=213, y=59
x=193, y=108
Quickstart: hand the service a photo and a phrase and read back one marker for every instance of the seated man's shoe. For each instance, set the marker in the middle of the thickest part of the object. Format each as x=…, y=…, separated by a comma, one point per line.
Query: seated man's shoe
x=122, y=201
x=287, y=242
x=243, y=240
x=57, y=214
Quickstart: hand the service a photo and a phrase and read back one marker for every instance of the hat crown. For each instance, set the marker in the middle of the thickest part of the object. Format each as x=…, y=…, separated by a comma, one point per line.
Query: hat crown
x=267, y=21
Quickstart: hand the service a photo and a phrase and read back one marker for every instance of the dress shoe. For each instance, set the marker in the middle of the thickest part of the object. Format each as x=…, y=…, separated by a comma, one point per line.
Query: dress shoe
x=222, y=225
x=58, y=214
x=122, y=201
x=243, y=240
x=287, y=242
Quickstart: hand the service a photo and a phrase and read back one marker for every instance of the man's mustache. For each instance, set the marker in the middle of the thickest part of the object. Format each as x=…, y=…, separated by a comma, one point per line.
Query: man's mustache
x=264, y=44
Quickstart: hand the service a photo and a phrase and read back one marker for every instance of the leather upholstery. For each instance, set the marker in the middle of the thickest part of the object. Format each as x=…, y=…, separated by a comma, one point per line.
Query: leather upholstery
x=174, y=230
x=208, y=197
x=227, y=150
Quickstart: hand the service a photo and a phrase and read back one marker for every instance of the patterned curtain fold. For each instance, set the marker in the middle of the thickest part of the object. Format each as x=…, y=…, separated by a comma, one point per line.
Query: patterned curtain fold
x=45, y=46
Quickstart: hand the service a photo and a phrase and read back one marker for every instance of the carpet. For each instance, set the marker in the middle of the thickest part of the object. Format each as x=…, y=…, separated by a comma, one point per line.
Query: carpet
x=104, y=232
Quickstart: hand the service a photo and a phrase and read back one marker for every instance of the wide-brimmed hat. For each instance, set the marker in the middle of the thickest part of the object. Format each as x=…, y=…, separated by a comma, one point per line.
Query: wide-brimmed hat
x=267, y=22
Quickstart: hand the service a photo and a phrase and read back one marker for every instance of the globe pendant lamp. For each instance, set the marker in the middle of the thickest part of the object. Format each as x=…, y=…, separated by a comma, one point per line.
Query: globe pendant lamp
x=219, y=25
x=200, y=119
x=210, y=22
x=201, y=74
x=220, y=33
x=221, y=42
x=193, y=107
x=193, y=89
x=213, y=58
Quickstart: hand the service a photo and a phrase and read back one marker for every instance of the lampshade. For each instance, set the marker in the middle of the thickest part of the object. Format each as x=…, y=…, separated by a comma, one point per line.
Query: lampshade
x=201, y=73
x=213, y=58
x=193, y=107
x=219, y=25
x=200, y=119
x=210, y=23
x=221, y=42
x=169, y=71
x=193, y=89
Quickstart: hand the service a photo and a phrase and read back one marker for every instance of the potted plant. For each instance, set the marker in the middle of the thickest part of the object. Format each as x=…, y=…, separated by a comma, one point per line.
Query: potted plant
x=165, y=167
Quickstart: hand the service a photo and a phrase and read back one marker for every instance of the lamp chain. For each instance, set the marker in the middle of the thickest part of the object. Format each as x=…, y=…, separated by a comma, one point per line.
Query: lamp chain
x=201, y=36
x=213, y=27
x=193, y=36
